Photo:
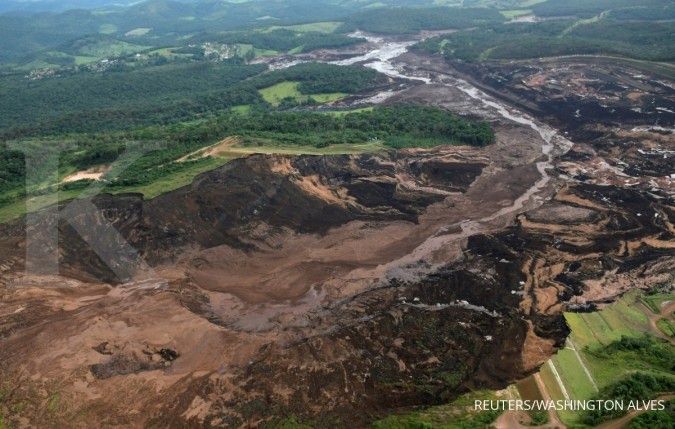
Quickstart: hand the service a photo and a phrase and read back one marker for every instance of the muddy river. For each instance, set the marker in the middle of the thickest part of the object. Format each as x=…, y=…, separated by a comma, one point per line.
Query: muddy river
x=385, y=57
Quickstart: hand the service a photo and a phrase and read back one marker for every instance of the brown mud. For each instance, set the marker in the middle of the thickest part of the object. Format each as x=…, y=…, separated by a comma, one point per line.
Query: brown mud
x=338, y=289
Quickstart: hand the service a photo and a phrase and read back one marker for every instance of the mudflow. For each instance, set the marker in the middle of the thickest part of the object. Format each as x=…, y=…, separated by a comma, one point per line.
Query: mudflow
x=338, y=289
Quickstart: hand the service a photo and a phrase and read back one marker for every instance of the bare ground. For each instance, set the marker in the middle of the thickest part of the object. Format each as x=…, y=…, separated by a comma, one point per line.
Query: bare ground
x=317, y=286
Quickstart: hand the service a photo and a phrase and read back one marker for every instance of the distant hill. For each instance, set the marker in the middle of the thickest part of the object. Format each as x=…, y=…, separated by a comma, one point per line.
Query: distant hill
x=33, y=29
x=58, y=5
x=33, y=6
x=23, y=34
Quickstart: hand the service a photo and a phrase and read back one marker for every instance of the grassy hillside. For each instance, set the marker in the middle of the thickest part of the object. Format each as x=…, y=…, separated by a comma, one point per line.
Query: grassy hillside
x=287, y=92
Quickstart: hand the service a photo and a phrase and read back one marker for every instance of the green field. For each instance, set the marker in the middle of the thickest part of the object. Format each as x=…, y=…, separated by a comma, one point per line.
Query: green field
x=81, y=59
x=571, y=372
x=339, y=113
x=599, y=363
x=243, y=50
x=242, y=109
x=621, y=318
x=654, y=301
x=168, y=53
x=275, y=94
x=113, y=48
x=328, y=97
x=528, y=3
x=548, y=377
x=514, y=13
x=321, y=27
x=107, y=29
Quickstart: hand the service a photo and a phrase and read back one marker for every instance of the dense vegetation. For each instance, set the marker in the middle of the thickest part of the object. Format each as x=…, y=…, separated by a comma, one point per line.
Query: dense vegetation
x=641, y=13
x=24, y=101
x=657, y=419
x=85, y=102
x=12, y=169
x=635, y=387
x=400, y=126
x=102, y=104
x=653, y=355
x=648, y=350
x=57, y=5
x=642, y=40
x=587, y=9
x=411, y=20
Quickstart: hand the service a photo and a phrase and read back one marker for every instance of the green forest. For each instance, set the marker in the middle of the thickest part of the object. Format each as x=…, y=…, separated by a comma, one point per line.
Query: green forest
x=412, y=20
x=654, y=41
x=587, y=9
x=160, y=94
x=639, y=29
x=23, y=101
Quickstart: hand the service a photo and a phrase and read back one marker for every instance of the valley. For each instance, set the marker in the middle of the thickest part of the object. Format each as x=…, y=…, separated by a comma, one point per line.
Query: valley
x=366, y=235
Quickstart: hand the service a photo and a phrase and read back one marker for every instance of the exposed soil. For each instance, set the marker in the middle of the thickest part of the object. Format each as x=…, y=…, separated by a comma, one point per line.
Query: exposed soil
x=337, y=289
x=221, y=148
x=94, y=173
